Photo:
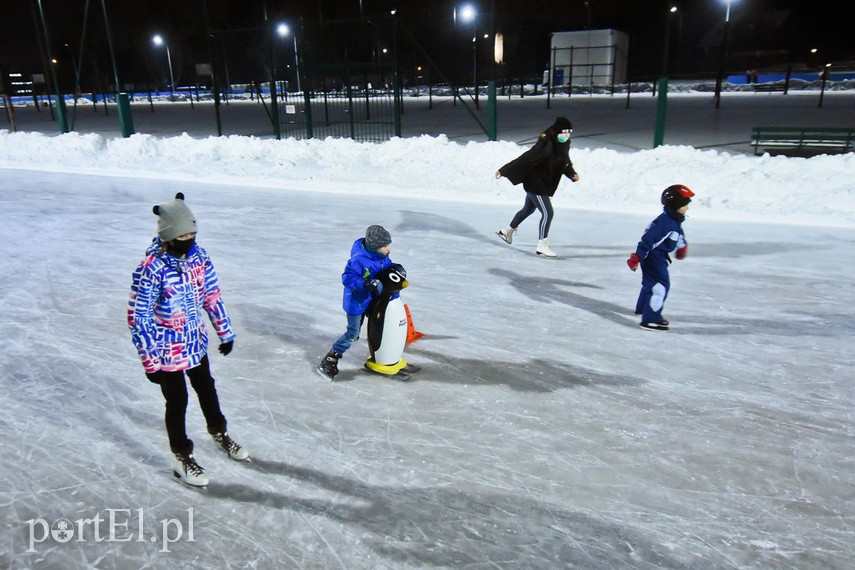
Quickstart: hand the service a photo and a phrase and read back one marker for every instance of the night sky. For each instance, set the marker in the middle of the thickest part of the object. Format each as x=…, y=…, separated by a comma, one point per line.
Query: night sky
x=761, y=33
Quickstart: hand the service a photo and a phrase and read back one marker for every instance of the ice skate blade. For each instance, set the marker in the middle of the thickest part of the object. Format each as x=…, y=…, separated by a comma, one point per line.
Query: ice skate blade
x=653, y=326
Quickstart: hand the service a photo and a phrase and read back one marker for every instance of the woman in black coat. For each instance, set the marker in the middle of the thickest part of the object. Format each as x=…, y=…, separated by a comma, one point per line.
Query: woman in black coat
x=540, y=169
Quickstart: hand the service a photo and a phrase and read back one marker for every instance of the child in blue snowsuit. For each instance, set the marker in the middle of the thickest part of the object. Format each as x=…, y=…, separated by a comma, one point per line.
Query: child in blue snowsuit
x=368, y=256
x=662, y=236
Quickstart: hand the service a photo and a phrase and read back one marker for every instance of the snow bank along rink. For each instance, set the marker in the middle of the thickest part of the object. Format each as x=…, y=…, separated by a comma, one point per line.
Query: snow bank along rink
x=546, y=430
x=817, y=190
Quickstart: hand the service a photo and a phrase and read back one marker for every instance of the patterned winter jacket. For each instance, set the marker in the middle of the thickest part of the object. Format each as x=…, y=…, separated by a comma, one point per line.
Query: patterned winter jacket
x=169, y=297
x=363, y=263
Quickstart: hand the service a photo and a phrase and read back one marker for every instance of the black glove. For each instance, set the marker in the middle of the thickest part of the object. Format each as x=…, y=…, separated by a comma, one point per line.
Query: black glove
x=226, y=347
x=374, y=286
x=400, y=269
x=157, y=377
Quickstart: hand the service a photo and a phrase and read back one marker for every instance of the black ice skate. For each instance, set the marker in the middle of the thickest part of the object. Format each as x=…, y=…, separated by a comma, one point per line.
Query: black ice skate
x=329, y=365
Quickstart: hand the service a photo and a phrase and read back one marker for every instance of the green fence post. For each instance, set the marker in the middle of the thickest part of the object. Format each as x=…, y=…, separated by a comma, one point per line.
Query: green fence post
x=350, y=112
x=61, y=117
x=491, y=111
x=661, y=105
x=307, y=105
x=126, y=121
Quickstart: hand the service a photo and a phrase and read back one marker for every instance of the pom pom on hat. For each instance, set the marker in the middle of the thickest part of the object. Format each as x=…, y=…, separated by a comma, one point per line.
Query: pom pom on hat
x=174, y=219
x=377, y=237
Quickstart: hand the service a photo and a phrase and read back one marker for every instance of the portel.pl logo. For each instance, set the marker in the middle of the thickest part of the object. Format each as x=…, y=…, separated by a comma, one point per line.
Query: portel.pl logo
x=117, y=526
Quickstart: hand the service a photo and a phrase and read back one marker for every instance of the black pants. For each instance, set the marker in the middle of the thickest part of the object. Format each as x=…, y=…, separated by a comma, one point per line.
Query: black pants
x=535, y=202
x=174, y=389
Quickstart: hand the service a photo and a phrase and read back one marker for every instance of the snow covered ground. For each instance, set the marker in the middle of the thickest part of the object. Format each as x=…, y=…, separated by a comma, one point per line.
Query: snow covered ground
x=545, y=430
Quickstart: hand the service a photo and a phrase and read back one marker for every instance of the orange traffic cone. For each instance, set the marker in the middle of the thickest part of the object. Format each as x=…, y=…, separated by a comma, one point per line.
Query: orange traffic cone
x=412, y=334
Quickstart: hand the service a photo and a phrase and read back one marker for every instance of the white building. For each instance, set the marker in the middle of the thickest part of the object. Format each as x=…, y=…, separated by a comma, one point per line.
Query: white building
x=587, y=57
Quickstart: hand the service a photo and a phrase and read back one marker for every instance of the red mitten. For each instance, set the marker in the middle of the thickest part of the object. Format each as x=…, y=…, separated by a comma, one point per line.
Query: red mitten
x=633, y=261
x=681, y=253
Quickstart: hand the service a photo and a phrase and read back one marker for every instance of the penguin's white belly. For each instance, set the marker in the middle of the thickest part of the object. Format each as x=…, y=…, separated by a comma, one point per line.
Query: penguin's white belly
x=394, y=334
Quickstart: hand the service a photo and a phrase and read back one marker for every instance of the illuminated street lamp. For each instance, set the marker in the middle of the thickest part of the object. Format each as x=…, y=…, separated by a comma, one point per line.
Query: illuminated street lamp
x=282, y=30
x=159, y=41
x=720, y=77
x=671, y=10
x=468, y=14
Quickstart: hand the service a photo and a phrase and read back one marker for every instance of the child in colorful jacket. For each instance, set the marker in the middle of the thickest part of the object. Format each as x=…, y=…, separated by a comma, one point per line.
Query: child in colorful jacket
x=662, y=236
x=173, y=289
x=368, y=256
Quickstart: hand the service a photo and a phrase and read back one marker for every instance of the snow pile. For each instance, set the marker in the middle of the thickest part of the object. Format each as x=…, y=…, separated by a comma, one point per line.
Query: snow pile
x=815, y=191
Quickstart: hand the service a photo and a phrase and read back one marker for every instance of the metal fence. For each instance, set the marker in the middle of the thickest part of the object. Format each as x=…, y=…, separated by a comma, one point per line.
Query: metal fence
x=360, y=112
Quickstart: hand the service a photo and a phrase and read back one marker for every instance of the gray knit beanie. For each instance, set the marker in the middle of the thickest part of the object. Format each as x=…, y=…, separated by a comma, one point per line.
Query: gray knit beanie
x=174, y=219
x=377, y=237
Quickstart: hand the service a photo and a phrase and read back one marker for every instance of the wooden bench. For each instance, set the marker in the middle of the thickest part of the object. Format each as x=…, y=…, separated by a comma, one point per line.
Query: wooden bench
x=769, y=87
x=840, y=139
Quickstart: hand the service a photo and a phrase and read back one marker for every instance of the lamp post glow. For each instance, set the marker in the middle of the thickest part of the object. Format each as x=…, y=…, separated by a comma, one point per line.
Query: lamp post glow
x=282, y=30
x=720, y=77
x=468, y=13
x=158, y=41
x=662, y=85
x=672, y=10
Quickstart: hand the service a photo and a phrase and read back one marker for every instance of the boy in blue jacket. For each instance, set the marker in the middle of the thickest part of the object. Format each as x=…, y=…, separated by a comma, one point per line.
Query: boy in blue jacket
x=662, y=236
x=368, y=256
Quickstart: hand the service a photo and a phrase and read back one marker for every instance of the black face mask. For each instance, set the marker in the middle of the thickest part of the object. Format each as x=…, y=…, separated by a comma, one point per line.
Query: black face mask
x=180, y=247
x=675, y=215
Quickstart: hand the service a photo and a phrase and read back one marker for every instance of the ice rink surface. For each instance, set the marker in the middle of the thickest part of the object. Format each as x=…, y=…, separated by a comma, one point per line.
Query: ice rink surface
x=545, y=430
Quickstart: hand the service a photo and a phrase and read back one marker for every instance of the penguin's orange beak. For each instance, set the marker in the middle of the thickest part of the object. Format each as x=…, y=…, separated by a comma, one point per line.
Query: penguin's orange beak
x=404, y=284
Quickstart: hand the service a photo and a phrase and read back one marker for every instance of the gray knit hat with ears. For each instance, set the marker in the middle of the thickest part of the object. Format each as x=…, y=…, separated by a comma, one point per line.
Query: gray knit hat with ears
x=377, y=237
x=174, y=219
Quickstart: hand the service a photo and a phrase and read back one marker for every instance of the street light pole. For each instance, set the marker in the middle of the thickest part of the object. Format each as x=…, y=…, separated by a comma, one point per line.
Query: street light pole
x=171, y=76
x=158, y=40
x=475, y=64
x=283, y=30
x=672, y=10
x=720, y=77
x=469, y=14
x=60, y=101
x=662, y=85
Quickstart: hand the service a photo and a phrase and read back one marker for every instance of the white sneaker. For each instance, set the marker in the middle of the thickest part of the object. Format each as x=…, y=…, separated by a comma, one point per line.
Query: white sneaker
x=543, y=248
x=507, y=234
x=188, y=471
x=230, y=446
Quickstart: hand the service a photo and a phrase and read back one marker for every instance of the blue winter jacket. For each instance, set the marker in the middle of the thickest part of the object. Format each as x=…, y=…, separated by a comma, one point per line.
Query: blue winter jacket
x=169, y=299
x=662, y=236
x=363, y=263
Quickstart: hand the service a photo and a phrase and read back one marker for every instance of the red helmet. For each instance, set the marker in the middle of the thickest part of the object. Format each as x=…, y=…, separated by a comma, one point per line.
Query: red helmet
x=676, y=196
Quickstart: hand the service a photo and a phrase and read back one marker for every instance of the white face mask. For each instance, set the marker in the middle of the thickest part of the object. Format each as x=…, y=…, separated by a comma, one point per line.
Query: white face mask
x=563, y=137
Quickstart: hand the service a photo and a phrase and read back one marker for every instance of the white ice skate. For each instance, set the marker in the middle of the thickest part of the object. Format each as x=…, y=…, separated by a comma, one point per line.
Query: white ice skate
x=544, y=249
x=230, y=446
x=188, y=471
x=507, y=234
